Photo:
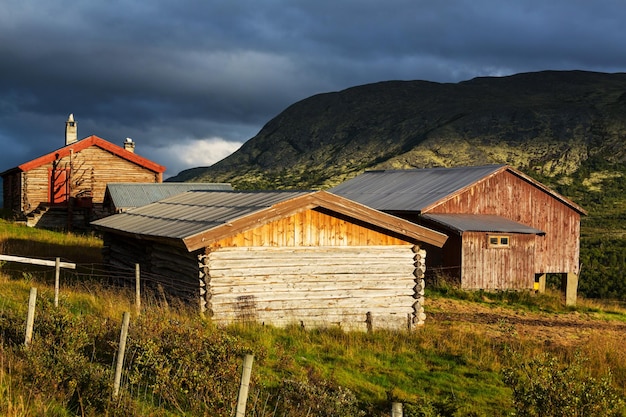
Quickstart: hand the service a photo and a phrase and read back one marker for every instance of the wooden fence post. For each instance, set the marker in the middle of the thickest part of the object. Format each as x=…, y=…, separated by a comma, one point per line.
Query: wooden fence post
x=57, y=277
x=245, y=384
x=30, y=320
x=137, y=289
x=396, y=410
x=119, y=362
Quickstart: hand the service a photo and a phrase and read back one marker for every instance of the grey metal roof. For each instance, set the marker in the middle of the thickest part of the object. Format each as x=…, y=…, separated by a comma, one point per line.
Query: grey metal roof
x=481, y=223
x=411, y=189
x=128, y=195
x=193, y=212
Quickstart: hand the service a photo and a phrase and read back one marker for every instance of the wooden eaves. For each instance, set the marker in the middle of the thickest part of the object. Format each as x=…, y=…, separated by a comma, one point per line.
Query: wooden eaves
x=312, y=200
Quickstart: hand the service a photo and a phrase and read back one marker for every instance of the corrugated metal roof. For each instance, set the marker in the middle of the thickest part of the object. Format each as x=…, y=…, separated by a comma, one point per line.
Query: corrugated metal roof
x=481, y=223
x=128, y=195
x=193, y=212
x=411, y=189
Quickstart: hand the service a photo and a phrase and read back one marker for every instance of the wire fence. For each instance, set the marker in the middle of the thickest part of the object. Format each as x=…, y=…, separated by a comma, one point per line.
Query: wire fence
x=107, y=276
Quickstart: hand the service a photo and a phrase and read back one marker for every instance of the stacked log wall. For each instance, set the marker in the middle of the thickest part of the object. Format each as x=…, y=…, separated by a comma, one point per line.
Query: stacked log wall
x=352, y=287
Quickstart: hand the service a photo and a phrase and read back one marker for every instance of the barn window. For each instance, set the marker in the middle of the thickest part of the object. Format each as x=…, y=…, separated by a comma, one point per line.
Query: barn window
x=498, y=241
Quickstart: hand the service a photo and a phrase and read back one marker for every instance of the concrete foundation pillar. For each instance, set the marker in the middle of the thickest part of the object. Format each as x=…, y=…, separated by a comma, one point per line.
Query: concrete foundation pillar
x=571, y=289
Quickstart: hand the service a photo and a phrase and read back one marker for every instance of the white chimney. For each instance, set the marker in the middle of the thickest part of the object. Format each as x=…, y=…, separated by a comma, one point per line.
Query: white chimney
x=71, y=130
x=129, y=145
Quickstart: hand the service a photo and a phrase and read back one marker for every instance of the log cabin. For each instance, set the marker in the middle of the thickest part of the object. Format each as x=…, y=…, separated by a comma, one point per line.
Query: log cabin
x=73, y=178
x=277, y=257
x=505, y=230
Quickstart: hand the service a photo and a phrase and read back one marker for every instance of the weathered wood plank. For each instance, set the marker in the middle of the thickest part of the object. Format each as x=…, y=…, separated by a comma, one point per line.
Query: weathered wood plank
x=316, y=311
x=33, y=261
x=347, y=304
x=318, y=269
x=272, y=292
x=238, y=252
x=363, y=263
x=390, y=279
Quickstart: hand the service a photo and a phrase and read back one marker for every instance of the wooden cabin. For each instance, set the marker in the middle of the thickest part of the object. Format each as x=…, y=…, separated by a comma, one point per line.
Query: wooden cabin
x=278, y=257
x=75, y=176
x=505, y=230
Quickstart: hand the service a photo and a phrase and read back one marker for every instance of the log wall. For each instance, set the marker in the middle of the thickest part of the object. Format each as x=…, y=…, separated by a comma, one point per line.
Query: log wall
x=357, y=287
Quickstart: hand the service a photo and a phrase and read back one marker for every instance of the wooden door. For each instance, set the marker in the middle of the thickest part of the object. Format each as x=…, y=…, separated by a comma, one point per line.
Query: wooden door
x=58, y=191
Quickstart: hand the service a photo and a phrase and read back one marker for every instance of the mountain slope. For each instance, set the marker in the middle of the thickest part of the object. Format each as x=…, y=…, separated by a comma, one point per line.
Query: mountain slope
x=546, y=123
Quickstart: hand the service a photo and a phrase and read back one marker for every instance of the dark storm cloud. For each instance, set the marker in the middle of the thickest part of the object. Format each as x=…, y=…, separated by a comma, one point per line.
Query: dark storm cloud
x=190, y=80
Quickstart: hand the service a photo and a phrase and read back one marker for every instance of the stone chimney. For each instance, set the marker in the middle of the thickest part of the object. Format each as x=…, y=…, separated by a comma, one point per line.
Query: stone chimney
x=71, y=130
x=129, y=145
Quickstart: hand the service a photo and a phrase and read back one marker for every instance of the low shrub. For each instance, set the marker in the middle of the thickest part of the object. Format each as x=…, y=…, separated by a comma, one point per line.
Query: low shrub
x=546, y=387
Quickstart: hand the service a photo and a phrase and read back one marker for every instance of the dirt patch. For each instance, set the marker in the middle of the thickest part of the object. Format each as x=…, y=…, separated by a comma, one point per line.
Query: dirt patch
x=550, y=328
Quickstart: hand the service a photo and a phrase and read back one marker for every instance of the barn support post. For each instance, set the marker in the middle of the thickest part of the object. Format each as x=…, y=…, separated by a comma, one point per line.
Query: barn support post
x=542, y=283
x=571, y=288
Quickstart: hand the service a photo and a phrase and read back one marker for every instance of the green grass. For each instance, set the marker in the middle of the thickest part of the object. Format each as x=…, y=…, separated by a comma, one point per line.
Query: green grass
x=442, y=361
x=181, y=364
x=20, y=240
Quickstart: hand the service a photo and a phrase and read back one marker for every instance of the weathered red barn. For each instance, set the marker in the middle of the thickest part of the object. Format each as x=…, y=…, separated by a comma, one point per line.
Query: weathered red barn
x=506, y=230
x=290, y=257
x=76, y=175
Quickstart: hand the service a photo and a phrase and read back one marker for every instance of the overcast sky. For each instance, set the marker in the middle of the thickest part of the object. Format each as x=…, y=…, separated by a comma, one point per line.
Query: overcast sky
x=191, y=80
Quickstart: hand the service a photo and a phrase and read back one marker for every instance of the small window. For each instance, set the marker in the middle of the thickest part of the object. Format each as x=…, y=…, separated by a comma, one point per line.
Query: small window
x=498, y=241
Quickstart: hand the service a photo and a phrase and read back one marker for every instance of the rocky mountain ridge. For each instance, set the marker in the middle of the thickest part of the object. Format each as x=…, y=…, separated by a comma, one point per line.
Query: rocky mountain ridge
x=545, y=123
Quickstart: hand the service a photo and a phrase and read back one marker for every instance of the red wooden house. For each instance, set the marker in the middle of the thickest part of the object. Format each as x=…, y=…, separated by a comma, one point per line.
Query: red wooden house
x=505, y=230
x=75, y=175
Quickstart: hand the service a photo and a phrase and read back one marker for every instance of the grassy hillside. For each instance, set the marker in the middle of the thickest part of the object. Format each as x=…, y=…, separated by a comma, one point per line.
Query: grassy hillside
x=479, y=354
x=547, y=123
x=564, y=128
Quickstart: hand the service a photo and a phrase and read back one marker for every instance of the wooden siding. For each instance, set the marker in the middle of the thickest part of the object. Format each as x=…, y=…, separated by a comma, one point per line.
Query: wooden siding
x=92, y=169
x=12, y=188
x=512, y=197
x=172, y=268
x=497, y=268
x=353, y=287
x=310, y=227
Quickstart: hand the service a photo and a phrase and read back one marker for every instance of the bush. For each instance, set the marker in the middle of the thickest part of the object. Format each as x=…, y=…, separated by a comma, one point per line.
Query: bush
x=186, y=366
x=69, y=357
x=545, y=387
x=316, y=398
